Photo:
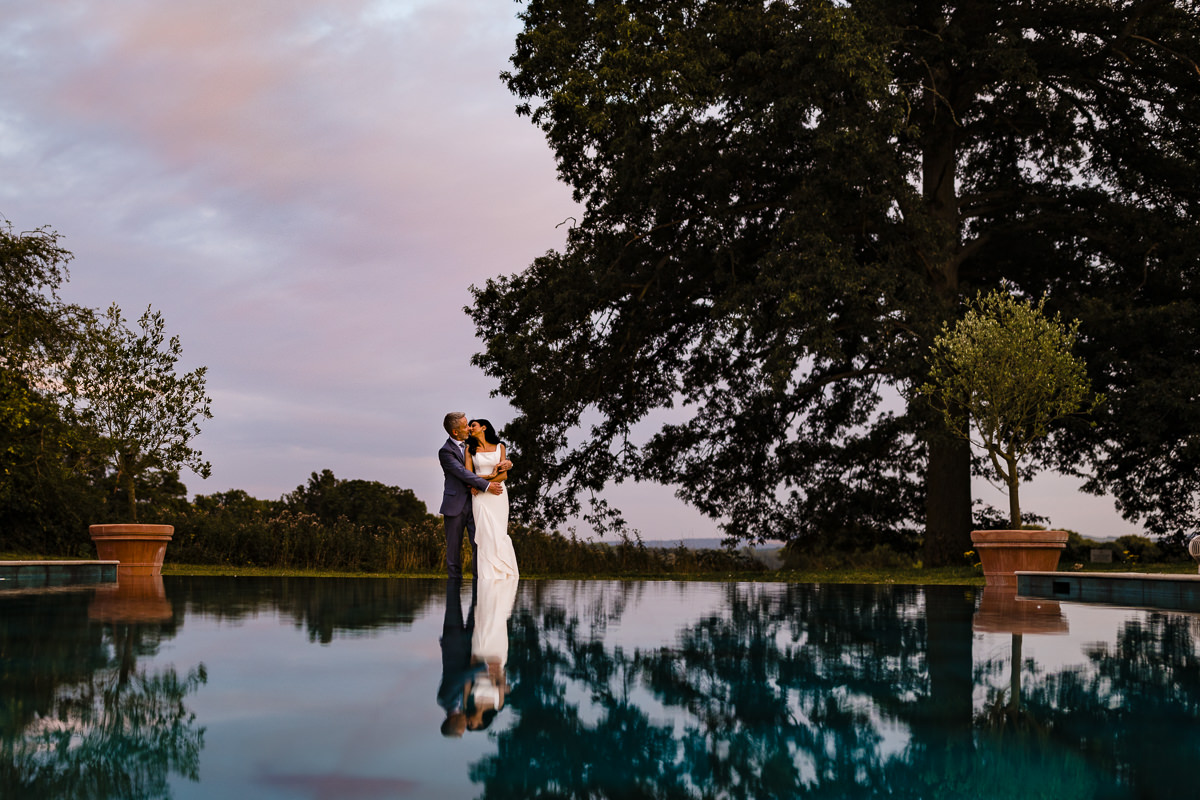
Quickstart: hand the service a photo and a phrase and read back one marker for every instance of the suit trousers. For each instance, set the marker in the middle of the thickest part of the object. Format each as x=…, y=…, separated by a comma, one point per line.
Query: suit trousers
x=455, y=525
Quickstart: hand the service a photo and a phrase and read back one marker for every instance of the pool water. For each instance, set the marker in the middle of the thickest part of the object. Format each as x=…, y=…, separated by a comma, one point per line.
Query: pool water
x=370, y=688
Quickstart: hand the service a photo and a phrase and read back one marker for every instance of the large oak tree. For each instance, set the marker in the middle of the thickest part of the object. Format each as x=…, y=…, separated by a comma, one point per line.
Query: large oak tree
x=784, y=200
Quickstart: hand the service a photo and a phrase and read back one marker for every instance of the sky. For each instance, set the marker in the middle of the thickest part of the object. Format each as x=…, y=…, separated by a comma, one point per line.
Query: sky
x=307, y=189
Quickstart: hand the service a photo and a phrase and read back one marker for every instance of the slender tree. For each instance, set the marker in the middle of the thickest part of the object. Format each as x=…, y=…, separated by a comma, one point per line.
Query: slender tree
x=782, y=202
x=1006, y=371
x=127, y=391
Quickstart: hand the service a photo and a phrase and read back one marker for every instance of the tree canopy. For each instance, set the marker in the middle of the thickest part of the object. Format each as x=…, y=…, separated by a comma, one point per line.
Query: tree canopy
x=361, y=502
x=38, y=445
x=784, y=201
x=36, y=328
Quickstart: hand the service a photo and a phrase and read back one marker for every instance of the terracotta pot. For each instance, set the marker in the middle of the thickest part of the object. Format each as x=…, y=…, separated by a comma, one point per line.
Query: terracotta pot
x=139, y=548
x=1004, y=553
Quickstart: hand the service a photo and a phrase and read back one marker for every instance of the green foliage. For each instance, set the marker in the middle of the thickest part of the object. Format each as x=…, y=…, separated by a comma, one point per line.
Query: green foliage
x=77, y=393
x=1006, y=371
x=36, y=327
x=44, y=499
x=37, y=331
x=126, y=391
x=301, y=541
x=241, y=531
x=367, y=503
x=1140, y=550
x=987, y=517
x=783, y=202
x=329, y=523
x=237, y=503
x=551, y=553
x=798, y=556
x=1128, y=550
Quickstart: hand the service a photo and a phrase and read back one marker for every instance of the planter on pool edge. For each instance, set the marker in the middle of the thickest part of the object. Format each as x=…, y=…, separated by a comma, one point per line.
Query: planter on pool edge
x=1004, y=553
x=139, y=548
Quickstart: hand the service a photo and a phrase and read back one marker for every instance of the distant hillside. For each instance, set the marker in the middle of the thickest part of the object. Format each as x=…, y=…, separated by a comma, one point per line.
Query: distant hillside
x=712, y=543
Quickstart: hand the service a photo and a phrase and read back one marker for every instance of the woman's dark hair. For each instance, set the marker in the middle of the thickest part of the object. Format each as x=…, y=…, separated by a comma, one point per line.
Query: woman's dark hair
x=489, y=435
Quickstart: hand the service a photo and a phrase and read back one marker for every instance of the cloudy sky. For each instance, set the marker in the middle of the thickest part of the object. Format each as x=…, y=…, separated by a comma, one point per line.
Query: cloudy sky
x=305, y=189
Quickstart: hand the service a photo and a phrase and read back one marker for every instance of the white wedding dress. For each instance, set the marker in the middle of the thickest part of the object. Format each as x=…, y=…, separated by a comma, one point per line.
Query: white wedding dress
x=494, y=554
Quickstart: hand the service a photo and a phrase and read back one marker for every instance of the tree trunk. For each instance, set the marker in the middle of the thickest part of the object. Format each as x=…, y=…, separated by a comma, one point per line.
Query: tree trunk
x=132, y=497
x=948, y=476
x=947, y=501
x=1014, y=504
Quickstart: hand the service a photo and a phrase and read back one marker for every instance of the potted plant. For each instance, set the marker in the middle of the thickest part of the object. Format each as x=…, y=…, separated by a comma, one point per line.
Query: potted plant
x=1000, y=376
x=143, y=416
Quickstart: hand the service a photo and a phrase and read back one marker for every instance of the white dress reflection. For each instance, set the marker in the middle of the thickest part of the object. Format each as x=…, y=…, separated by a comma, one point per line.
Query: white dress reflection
x=485, y=693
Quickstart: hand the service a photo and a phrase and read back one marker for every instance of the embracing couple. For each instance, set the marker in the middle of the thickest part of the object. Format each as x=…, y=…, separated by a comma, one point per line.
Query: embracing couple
x=475, y=466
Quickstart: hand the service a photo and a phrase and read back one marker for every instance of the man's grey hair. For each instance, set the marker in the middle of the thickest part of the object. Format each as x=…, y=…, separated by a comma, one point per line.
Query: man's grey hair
x=452, y=419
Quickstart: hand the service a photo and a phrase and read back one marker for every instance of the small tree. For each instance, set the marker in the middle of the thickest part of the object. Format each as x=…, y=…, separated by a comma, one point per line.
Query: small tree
x=1007, y=368
x=126, y=390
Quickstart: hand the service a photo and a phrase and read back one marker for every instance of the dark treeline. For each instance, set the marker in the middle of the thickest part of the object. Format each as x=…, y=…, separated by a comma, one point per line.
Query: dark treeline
x=359, y=525
x=329, y=524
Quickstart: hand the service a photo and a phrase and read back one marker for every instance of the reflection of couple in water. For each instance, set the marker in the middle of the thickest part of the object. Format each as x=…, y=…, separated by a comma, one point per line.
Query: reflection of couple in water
x=474, y=652
x=475, y=465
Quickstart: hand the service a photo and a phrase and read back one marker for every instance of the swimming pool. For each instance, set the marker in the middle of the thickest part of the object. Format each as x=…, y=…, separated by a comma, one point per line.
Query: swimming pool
x=324, y=688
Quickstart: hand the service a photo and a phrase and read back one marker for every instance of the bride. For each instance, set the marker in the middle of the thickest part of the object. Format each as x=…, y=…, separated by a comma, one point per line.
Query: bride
x=494, y=555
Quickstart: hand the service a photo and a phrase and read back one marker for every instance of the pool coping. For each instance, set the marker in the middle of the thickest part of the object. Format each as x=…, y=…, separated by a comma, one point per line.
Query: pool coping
x=22, y=575
x=1125, y=589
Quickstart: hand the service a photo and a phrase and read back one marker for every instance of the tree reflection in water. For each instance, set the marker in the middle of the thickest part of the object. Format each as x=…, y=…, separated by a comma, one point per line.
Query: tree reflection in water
x=80, y=719
x=1135, y=705
x=323, y=607
x=835, y=691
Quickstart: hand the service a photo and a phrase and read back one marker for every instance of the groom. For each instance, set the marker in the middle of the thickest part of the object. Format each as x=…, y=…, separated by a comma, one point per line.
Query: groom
x=456, y=497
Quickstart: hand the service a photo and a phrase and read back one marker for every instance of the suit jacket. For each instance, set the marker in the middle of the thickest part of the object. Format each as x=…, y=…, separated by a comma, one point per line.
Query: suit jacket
x=456, y=496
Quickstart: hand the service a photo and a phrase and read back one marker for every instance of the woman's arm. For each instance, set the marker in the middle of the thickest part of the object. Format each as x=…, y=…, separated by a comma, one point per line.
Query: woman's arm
x=497, y=475
x=501, y=475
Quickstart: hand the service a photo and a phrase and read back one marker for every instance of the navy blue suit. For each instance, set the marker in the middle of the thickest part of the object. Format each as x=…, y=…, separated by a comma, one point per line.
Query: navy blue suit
x=456, y=503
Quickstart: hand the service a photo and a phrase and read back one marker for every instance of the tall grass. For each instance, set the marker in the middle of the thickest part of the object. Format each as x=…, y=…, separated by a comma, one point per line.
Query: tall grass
x=301, y=541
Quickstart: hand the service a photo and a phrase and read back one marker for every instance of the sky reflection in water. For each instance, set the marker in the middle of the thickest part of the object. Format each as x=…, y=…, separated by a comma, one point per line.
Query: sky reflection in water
x=330, y=688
